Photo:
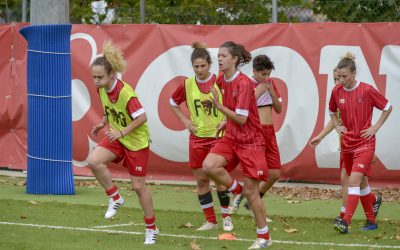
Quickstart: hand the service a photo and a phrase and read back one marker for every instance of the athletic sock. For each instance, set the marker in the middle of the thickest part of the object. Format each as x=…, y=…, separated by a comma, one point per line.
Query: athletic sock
x=113, y=193
x=224, y=202
x=342, y=211
x=367, y=200
x=150, y=222
x=352, y=202
x=235, y=188
x=206, y=203
x=263, y=233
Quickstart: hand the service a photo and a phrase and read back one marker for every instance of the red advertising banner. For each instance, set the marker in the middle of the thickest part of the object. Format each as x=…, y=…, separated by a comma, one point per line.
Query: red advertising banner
x=158, y=58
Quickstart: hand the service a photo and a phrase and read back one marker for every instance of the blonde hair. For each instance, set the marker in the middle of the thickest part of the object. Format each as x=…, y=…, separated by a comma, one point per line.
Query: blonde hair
x=112, y=59
x=347, y=61
x=114, y=56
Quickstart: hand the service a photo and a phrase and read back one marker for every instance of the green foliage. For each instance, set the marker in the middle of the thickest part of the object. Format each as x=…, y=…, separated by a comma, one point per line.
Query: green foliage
x=180, y=11
x=359, y=10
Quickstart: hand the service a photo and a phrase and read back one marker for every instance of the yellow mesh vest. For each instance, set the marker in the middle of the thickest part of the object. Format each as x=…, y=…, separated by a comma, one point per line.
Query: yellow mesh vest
x=204, y=115
x=118, y=118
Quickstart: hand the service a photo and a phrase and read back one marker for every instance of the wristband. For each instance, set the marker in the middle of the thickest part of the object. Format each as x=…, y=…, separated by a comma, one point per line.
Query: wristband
x=122, y=135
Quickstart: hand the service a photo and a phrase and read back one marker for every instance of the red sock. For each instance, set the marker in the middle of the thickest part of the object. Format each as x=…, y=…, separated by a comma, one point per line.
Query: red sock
x=113, y=193
x=263, y=233
x=235, y=187
x=150, y=222
x=342, y=212
x=367, y=200
x=206, y=203
x=210, y=214
x=351, y=204
x=225, y=211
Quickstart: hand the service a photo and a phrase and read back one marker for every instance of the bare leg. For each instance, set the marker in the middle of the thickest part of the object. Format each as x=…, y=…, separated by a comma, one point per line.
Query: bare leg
x=273, y=176
x=213, y=166
x=251, y=192
x=144, y=195
x=98, y=161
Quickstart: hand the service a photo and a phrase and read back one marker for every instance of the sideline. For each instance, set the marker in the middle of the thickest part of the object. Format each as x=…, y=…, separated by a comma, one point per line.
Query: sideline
x=280, y=184
x=197, y=237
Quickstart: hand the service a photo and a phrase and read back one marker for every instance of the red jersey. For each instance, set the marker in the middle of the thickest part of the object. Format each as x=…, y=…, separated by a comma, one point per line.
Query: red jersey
x=134, y=107
x=356, y=106
x=179, y=94
x=238, y=95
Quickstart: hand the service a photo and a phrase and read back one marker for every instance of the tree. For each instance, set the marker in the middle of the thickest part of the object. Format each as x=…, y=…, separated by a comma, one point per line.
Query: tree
x=180, y=11
x=358, y=11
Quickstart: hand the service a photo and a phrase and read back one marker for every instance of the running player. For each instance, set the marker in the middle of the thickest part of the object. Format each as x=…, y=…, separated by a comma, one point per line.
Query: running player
x=202, y=126
x=355, y=101
x=128, y=137
x=243, y=140
x=268, y=99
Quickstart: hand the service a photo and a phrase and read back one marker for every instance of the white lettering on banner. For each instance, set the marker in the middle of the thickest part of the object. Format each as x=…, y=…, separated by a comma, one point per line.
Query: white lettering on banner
x=326, y=153
x=388, y=142
x=169, y=144
x=303, y=99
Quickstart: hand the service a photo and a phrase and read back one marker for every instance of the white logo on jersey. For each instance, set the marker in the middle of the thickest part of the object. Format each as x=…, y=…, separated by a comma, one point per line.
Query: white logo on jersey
x=234, y=93
x=259, y=173
x=139, y=168
x=222, y=91
x=361, y=165
x=341, y=101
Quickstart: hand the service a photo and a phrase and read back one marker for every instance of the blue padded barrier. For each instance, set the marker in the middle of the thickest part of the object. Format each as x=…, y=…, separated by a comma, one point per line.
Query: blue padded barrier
x=49, y=110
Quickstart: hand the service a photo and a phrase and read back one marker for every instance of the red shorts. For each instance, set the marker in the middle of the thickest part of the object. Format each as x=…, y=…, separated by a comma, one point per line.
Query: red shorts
x=199, y=149
x=359, y=161
x=253, y=161
x=341, y=162
x=136, y=161
x=271, y=150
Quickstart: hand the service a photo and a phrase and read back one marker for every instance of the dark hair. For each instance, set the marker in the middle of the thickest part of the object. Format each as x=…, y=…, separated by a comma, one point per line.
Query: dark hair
x=347, y=61
x=112, y=59
x=262, y=62
x=200, y=51
x=239, y=51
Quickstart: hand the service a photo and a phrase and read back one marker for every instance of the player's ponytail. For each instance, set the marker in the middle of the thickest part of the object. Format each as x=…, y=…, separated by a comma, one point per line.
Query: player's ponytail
x=200, y=51
x=112, y=59
x=347, y=61
x=239, y=51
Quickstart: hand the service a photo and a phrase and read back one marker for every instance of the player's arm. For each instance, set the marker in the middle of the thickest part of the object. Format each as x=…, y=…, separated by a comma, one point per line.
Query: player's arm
x=371, y=131
x=181, y=116
x=276, y=100
x=229, y=114
x=137, y=122
x=317, y=139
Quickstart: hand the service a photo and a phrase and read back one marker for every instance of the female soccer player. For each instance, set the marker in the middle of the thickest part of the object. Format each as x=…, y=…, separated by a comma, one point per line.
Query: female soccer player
x=344, y=176
x=355, y=101
x=243, y=140
x=128, y=137
x=202, y=126
x=268, y=98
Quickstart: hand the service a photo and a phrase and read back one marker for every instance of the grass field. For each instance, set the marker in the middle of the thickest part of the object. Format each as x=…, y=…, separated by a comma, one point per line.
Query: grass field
x=77, y=222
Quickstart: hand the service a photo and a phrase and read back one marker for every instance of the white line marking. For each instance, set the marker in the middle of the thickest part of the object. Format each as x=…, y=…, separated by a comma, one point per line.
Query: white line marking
x=196, y=237
x=120, y=225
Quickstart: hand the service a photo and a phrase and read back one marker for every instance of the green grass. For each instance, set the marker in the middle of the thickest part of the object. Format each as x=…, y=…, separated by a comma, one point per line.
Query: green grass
x=175, y=206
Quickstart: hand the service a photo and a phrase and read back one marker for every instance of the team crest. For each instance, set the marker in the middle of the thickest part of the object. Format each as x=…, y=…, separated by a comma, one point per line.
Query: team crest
x=207, y=106
x=341, y=101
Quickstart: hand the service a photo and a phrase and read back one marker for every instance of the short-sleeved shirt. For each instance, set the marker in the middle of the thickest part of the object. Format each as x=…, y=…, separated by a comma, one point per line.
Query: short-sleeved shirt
x=356, y=107
x=265, y=99
x=133, y=106
x=238, y=95
x=179, y=95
